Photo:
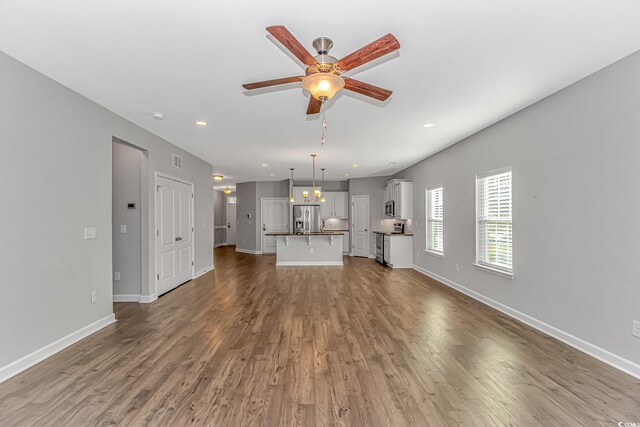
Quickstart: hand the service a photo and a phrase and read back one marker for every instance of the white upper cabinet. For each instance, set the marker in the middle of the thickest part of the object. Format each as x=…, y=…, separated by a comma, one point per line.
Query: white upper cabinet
x=401, y=193
x=336, y=205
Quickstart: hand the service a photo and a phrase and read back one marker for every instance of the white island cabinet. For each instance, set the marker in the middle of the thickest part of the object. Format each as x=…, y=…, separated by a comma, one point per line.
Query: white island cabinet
x=309, y=249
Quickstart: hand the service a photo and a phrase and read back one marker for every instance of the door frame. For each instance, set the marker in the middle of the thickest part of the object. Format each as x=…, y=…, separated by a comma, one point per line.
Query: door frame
x=157, y=175
x=353, y=225
x=262, y=200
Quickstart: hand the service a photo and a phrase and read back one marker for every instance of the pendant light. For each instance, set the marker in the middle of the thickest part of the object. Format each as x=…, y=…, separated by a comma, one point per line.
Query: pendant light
x=322, y=199
x=292, y=199
x=227, y=190
x=316, y=192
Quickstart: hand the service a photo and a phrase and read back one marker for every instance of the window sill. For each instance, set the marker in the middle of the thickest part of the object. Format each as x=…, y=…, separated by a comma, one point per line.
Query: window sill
x=501, y=273
x=434, y=254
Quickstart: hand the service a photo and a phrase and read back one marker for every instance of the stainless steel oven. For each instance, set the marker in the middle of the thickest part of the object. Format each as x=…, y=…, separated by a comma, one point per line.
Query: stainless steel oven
x=380, y=248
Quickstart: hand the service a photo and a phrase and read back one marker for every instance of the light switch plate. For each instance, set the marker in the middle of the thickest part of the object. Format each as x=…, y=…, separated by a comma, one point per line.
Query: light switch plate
x=123, y=228
x=116, y=275
x=94, y=297
x=89, y=233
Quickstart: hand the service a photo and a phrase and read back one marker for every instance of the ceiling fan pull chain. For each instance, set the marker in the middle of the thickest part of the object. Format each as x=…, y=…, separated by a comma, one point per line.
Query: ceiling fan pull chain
x=324, y=123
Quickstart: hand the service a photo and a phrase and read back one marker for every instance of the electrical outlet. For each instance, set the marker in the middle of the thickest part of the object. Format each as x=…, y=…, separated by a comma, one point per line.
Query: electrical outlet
x=636, y=329
x=457, y=268
x=123, y=228
x=116, y=275
x=310, y=250
x=94, y=297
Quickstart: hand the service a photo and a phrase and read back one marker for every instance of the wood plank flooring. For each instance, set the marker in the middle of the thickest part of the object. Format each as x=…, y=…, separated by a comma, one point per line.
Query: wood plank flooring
x=251, y=344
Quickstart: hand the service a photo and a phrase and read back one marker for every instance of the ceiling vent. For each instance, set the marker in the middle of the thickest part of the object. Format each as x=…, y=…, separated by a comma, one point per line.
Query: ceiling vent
x=177, y=161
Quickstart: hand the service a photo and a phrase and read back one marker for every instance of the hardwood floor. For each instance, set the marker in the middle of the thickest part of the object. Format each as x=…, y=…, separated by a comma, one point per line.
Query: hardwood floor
x=361, y=345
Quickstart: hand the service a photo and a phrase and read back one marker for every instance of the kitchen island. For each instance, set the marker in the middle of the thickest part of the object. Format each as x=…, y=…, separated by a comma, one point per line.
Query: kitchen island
x=313, y=249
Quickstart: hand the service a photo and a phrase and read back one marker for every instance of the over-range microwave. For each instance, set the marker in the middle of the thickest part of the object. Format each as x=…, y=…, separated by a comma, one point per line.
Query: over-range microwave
x=390, y=208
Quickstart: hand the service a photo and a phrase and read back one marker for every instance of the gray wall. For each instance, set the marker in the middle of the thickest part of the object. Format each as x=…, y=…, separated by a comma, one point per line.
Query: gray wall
x=127, y=248
x=61, y=167
x=576, y=200
x=374, y=188
x=246, y=204
x=326, y=186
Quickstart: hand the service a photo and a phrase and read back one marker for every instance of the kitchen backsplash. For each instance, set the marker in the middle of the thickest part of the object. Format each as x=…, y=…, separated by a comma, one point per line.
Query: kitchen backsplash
x=336, y=224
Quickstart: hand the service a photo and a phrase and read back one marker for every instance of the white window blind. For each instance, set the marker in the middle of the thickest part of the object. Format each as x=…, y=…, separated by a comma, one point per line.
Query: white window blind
x=435, y=217
x=494, y=220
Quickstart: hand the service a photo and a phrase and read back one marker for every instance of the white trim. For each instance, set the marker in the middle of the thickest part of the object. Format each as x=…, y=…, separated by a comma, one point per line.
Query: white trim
x=248, y=251
x=433, y=253
x=126, y=298
x=48, y=350
x=371, y=256
x=308, y=263
x=147, y=299
x=203, y=271
x=618, y=362
x=496, y=271
x=219, y=245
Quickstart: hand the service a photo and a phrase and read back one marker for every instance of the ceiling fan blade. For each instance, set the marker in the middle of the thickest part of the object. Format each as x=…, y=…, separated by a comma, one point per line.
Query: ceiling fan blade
x=375, y=50
x=366, y=89
x=314, y=106
x=291, y=43
x=274, y=82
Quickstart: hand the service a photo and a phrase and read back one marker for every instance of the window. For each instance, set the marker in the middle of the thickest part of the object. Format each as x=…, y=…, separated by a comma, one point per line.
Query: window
x=435, y=224
x=494, y=221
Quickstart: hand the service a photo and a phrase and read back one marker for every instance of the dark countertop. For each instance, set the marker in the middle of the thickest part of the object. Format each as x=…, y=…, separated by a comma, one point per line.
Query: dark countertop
x=386, y=233
x=325, y=233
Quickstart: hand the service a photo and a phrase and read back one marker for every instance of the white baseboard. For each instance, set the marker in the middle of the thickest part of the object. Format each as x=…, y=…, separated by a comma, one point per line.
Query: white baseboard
x=308, y=263
x=248, y=251
x=203, y=271
x=147, y=299
x=219, y=245
x=39, y=355
x=126, y=298
x=593, y=350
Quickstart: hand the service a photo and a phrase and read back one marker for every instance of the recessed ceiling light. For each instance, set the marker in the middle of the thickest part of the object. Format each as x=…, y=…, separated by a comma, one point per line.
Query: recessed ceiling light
x=272, y=174
x=201, y=123
x=428, y=125
x=346, y=174
x=392, y=163
x=264, y=165
x=354, y=165
x=217, y=177
x=158, y=116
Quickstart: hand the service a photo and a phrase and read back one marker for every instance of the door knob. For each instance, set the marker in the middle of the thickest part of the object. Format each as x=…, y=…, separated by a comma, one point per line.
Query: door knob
x=264, y=227
x=228, y=225
x=365, y=229
x=176, y=239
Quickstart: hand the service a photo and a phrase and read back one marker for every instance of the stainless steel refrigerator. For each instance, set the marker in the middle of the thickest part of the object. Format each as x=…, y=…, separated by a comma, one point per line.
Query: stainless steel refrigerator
x=306, y=219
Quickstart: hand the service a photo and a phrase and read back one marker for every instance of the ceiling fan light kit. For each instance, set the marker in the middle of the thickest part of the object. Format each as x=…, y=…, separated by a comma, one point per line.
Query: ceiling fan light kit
x=322, y=75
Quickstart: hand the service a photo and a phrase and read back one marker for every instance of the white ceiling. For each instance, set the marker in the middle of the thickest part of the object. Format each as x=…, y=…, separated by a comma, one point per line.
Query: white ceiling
x=463, y=65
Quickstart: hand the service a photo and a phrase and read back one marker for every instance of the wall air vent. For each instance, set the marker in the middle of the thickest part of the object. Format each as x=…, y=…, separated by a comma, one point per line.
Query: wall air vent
x=177, y=161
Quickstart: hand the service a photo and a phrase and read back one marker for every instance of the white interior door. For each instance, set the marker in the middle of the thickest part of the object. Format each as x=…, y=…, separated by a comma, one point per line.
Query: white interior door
x=231, y=224
x=275, y=218
x=174, y=236
x=360, y=225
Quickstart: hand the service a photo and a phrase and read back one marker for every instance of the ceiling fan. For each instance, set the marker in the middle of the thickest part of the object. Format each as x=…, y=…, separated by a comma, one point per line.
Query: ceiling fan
x=322, y=76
